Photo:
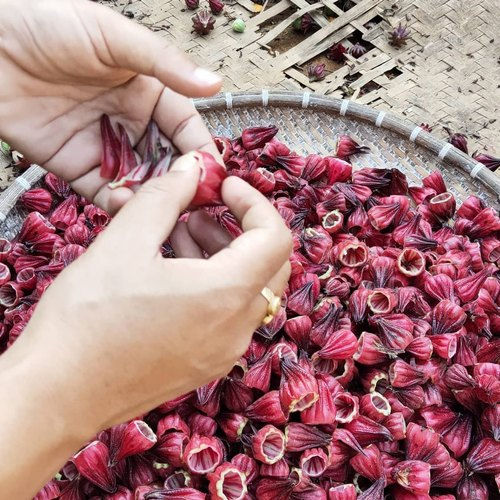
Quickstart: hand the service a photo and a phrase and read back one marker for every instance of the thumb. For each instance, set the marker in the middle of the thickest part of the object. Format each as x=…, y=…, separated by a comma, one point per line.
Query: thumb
x=131, y=46
x=149, y=217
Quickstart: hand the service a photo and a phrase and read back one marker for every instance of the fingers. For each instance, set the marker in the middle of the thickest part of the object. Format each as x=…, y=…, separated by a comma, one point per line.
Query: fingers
x=207, y=233
x=147, y=220
x=79, y=132
x=112, y=200
x=279, y=281
x=178, y=119
x=183, y=243
x=93, y=187
x=131, y=46
x=258, y=254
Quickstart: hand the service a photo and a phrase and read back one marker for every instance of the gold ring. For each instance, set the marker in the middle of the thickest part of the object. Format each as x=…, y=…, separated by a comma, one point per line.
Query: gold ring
x=273, y=305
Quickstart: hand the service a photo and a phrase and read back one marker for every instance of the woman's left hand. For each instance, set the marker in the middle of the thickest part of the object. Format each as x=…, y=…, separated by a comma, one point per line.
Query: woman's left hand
x=63, y=63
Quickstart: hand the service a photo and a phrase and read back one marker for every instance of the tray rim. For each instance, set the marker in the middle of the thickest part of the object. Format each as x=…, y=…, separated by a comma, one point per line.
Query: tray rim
x=444, y=151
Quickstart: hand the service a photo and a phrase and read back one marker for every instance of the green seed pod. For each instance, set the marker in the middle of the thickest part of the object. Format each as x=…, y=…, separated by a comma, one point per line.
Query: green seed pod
x=4, y=147
x=239, y=25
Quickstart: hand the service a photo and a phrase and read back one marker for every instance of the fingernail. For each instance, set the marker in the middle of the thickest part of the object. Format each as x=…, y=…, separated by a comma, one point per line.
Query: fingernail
x=185, y=163
x=206, y=76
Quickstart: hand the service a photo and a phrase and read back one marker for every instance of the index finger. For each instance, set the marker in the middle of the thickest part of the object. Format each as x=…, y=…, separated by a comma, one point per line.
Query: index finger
x=179, y=120
x=266, y=243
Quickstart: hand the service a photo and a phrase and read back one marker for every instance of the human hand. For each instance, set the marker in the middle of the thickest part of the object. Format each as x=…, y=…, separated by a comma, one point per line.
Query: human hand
x=130, y=329
x=66, y=62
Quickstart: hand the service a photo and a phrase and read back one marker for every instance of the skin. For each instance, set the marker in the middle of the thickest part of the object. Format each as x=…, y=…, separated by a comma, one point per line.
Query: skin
x=121, y=329
x=66, y=62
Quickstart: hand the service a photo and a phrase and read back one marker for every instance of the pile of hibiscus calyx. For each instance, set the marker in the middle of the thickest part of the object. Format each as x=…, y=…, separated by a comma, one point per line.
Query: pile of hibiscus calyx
x=380, y=376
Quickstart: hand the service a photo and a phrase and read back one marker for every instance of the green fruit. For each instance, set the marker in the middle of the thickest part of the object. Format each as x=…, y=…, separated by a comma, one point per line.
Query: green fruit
x=239, y=26
x=4, y=147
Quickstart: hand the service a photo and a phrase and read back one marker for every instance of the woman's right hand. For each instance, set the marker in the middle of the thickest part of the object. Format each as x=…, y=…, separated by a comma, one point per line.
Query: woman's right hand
x=130, y=329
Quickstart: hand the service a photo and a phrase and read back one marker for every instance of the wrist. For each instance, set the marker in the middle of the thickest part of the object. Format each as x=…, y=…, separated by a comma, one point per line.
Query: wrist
x=37, y=432
x=37, y=389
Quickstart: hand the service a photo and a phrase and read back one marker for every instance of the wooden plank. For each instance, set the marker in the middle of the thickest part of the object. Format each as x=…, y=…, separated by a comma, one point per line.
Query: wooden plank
x=303, y=80
x=356, y=94
x=328, y=42
x=318, y=17
x=309, y=45
x=370, y=75
x=277, y=30
x=334, y=80
x=300, y=77
x=268, y=14
x=382, y=80
x=338, y=36
x=374, y=34
x=248, y=5
x=370, y=97
x=250, y=35
x=331, y=5
x=371, y=62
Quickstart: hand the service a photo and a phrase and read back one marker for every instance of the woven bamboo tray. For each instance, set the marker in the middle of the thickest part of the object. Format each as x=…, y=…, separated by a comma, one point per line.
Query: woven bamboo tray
x=311, y=123
x=445, y=75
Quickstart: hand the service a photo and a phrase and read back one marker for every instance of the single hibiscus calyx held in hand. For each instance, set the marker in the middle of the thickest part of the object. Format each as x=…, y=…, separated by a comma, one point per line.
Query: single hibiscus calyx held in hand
x=211, y=178
x=120, y=162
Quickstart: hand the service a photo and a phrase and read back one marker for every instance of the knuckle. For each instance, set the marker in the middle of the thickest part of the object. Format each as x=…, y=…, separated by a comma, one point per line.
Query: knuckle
x=185, y=123
x=157, y=186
